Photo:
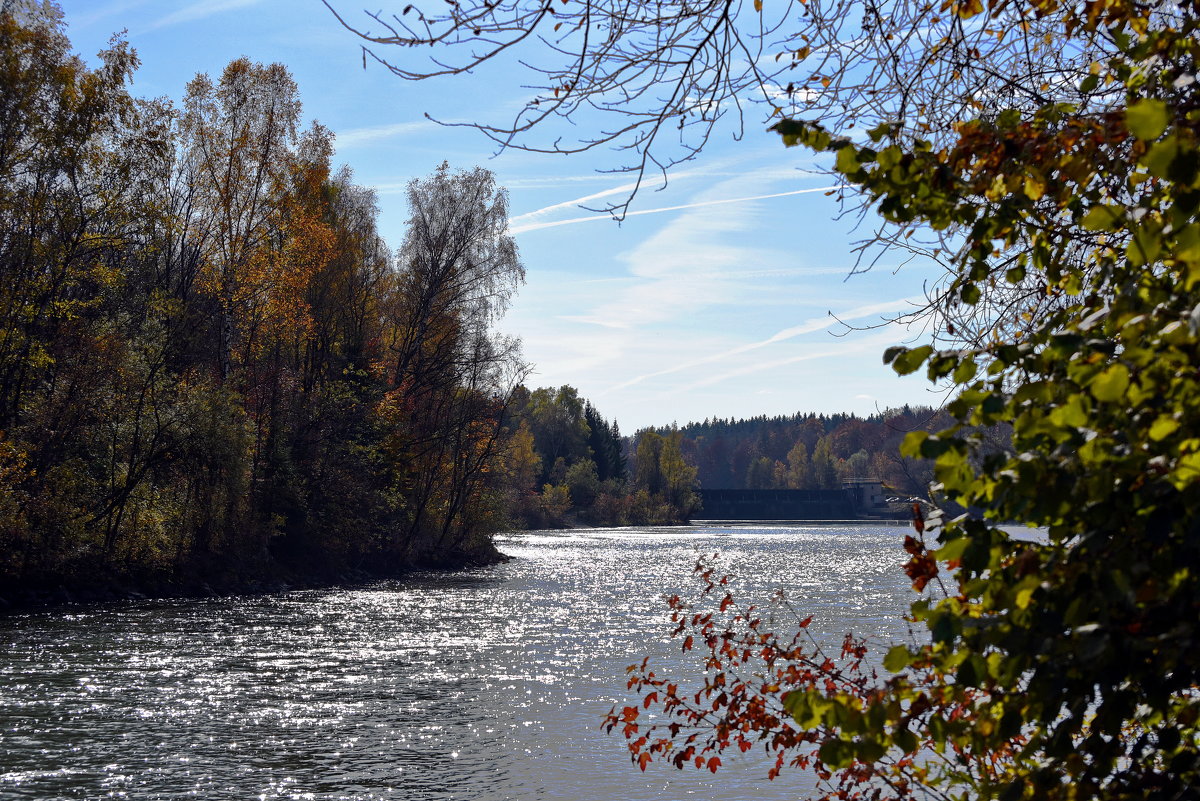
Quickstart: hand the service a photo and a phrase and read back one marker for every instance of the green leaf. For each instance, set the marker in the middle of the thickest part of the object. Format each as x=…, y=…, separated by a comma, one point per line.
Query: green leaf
x=869, y=750
x=1163, y=427
x=1036, y=391
x=912, y=443
x=1159, y=157
x=897, y=658
x=953, y=549
x=1070, y=414
x=1147, y=119
x=1103, y=218
x=836, y=753
x=910, y=359
x=1187, y=471
x=1110, y=385
x=1144, y=247
x=1187, y=243
x=972, y=671
x=906, y=740
x=847, y=160
x=807, y=707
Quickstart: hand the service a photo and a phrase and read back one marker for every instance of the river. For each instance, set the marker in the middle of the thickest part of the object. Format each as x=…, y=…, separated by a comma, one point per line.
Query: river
x=482, y=684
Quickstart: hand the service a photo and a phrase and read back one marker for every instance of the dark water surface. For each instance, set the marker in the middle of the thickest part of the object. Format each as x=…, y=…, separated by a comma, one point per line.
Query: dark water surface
x=482, y=684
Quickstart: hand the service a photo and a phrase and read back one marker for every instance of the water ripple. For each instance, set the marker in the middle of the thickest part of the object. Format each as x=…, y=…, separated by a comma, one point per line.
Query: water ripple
x=488, y=683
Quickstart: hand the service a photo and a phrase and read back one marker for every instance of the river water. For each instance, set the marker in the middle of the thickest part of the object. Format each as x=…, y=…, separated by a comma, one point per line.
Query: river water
x=482, y=684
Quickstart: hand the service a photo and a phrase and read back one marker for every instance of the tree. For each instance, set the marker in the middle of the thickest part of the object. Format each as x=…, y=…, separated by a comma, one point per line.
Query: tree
x=604, y=440
x=1063, y=667
x=239, y=133
x=560, y=425
x=451, y=376
x=647, y=462
x=655, y=81
x=823, y=469
x=799, y=470
x=195, y=312
x=678, y=477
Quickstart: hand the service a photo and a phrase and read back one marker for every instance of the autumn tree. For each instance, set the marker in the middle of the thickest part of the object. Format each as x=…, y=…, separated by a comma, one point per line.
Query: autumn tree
x=452, y=376
x=195, y=310
x=238, y=133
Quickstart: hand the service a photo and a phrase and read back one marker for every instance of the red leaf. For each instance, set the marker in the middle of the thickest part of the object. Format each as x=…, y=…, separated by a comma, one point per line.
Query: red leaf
x=714, y=763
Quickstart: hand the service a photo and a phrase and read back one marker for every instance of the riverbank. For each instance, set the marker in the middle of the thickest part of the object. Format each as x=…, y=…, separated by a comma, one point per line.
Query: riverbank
x=270, y=576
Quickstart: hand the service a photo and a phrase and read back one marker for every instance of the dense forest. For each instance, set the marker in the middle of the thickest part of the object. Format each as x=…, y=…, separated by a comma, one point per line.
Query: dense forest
x=211, y=364
x=587, y=472
x=213, y=370
x=810, y=451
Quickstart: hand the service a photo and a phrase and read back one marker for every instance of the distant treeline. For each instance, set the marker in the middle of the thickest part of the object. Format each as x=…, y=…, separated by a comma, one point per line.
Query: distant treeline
x=570, y=465
x=210, y=362
x=810, y=451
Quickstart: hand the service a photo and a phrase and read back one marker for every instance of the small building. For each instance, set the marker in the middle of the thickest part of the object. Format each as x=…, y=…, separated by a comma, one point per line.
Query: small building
x=866, y=494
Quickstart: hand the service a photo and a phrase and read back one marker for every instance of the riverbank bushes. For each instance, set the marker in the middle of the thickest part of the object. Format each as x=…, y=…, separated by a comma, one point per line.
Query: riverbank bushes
x=212, y=367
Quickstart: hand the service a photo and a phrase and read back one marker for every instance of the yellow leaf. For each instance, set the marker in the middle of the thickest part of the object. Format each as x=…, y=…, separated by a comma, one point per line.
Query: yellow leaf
x=969, y=8
x=1034, y=187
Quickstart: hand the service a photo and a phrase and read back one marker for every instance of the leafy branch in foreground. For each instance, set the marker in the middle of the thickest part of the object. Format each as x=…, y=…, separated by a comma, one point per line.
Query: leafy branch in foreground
x=654, y=81
x=1066, y=666
x=807, y=706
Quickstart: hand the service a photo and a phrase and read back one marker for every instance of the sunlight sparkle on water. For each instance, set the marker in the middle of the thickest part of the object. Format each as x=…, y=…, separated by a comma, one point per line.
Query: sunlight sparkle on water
x=483, y=683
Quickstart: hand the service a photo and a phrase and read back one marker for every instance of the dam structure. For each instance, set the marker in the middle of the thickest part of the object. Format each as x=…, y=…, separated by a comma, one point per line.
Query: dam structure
x=856, y=499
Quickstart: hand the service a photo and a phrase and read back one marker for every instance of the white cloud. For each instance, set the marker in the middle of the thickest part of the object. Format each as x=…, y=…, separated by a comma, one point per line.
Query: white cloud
x=199, y=10
x=520, y=229
x=842, y=350
x=812, y=325
x=361, y=136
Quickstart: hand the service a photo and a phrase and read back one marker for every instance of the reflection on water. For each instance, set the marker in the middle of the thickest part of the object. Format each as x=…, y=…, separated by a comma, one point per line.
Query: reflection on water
x=488, y=683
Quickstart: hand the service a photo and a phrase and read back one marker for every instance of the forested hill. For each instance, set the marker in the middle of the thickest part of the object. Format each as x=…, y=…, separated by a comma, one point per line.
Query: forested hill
x=809, y=451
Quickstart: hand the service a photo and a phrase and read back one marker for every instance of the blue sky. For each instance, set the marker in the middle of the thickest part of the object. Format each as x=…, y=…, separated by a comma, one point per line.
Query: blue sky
x=712, y=299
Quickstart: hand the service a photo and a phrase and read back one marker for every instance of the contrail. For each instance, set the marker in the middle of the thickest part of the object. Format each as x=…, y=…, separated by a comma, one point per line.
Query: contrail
x=807, y=327
x=359, y=136
x=565, y=204
x=520, y=229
